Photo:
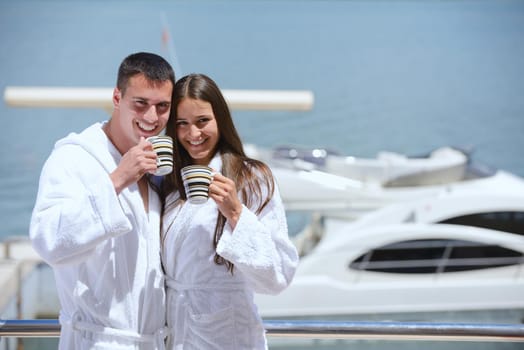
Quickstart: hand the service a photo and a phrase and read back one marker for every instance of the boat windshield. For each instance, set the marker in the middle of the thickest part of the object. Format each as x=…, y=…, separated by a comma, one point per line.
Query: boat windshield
x=508, y=221
x=428, y=256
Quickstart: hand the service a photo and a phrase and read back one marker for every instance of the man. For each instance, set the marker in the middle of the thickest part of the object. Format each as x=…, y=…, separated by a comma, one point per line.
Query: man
x=96, y=219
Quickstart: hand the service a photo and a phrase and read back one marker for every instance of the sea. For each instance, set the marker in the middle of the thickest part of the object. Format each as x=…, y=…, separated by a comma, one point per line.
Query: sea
x=402, y=75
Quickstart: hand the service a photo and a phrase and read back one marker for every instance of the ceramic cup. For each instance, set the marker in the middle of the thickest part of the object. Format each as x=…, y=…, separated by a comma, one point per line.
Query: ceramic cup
x=163, y=146
x=196, y=182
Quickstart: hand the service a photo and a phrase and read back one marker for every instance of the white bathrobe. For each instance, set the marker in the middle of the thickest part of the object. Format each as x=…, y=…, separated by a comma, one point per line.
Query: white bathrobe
x=207, y=307
x=104, y=248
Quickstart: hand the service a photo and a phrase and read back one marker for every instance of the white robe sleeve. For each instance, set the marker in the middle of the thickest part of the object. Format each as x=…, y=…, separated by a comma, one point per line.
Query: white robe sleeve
x=76, y=208
x=260, y=247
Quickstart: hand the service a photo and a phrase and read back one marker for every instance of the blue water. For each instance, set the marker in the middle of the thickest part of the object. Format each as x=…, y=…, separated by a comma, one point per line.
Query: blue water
x=404, y=76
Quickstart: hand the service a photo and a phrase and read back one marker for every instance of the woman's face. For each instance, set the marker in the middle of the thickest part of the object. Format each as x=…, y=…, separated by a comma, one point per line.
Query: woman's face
x=197, y=129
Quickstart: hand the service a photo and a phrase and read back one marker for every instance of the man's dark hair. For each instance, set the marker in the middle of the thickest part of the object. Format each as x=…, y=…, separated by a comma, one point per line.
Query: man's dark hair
x=154, y=67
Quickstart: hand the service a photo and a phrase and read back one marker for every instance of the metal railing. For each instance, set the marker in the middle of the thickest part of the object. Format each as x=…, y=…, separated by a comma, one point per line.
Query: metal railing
x=328, y=329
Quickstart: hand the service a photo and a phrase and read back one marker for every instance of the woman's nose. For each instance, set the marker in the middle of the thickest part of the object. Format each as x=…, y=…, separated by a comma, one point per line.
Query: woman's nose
x=194, y=131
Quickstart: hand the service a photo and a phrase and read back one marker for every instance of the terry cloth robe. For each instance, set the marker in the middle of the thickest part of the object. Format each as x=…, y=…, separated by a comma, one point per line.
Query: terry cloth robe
x=104, y=248
x=207, y=306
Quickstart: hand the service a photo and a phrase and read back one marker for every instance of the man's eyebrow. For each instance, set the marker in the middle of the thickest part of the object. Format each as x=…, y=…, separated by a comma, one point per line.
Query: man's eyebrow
x=136, y=98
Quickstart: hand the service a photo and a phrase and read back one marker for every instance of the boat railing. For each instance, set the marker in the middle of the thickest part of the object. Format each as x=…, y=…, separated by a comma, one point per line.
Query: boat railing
x=311, y=329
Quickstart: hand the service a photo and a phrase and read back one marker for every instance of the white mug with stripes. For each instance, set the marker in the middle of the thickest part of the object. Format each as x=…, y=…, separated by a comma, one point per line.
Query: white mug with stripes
x=163, y=146
x=197, y=179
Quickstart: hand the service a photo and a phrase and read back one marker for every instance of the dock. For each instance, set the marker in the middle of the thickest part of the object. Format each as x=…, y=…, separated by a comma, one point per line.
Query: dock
x=27, y=283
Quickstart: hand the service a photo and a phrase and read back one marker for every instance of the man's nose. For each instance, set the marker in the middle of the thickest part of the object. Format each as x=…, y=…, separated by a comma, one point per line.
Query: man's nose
x=151, y=114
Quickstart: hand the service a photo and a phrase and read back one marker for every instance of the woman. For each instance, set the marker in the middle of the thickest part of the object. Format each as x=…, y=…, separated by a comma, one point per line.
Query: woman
x=216, y=255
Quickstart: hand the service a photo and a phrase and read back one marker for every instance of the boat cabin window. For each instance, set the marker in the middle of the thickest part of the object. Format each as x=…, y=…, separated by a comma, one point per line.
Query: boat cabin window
x=509, y=221
x=436, y=256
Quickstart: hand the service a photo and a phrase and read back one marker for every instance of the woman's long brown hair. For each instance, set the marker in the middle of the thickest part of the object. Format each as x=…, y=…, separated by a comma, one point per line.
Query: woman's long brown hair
x=250, y=175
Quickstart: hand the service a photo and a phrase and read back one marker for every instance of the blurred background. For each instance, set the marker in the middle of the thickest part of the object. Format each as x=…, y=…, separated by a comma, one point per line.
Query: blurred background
x=403, y=76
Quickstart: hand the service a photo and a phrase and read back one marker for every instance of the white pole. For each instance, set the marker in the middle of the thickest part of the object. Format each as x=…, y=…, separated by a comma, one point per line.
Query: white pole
x=69, y=97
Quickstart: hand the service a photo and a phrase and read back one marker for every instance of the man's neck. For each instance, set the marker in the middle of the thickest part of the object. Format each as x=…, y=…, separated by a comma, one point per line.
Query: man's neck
x=107, y=128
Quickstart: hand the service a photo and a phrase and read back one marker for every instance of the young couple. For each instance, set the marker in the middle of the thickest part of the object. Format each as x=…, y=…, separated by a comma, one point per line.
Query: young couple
x=136, y=265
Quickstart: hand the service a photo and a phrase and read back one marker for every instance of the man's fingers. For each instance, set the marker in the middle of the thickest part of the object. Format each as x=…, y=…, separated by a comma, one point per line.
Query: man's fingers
x=144, y=144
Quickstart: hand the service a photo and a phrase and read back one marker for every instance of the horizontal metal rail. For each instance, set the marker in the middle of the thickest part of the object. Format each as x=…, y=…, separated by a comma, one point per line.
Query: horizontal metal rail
x=328, y=329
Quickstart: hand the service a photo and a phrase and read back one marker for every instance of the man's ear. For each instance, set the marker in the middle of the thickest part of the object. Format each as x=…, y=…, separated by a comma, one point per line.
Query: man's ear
x=117, y=97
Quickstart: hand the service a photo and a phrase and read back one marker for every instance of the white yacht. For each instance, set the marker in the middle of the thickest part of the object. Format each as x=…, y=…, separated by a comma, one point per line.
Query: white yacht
x=318, y=188
x=458, y=255
x=442, y=165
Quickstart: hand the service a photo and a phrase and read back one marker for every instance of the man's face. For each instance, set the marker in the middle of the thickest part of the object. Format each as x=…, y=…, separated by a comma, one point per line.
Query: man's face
x=142, y=110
